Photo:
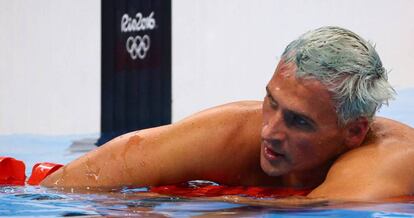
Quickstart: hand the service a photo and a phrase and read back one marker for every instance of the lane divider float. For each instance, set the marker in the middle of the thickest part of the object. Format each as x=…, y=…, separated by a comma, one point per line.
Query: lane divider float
x=41, y=170
x=12, y=171
x=186, y=190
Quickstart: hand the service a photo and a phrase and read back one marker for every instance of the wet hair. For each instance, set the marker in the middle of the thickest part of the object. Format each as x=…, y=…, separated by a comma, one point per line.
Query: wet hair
x=347, y=65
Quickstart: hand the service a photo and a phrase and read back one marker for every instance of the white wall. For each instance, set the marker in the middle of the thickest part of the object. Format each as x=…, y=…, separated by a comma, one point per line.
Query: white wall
x=49, y=66
x=226, y=50
x=223, y=50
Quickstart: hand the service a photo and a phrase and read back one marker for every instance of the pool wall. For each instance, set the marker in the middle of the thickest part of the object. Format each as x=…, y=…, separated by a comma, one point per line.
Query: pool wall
x=222, y=51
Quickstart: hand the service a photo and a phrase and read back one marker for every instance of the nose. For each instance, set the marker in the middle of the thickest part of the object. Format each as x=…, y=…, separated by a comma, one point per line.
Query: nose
x=274, y=127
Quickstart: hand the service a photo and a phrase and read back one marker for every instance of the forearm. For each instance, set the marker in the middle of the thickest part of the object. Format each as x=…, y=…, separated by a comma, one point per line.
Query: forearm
x=122, y=161
x=208, y=145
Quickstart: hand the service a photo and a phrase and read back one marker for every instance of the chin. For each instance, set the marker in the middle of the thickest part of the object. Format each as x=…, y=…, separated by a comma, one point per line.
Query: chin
x=272, y=170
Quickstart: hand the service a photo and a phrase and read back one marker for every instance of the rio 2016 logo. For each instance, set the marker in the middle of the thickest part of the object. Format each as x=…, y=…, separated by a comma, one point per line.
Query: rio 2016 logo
x=137, y=46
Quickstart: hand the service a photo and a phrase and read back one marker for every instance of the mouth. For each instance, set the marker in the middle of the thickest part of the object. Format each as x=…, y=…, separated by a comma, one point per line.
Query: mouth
x=271, y=154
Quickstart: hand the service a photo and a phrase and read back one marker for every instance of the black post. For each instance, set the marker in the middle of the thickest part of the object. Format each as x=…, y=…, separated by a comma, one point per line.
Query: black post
x=136, y=66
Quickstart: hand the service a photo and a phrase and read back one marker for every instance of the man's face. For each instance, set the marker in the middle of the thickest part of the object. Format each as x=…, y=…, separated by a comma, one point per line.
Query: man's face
x=300, y=130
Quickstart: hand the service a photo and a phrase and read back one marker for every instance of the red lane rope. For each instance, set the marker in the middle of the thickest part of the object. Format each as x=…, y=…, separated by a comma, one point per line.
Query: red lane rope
x=12, y=171
x=186, y=190
x=41, y=170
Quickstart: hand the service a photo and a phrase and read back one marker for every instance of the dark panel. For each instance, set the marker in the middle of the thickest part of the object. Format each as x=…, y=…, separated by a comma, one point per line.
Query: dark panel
x=136, y=66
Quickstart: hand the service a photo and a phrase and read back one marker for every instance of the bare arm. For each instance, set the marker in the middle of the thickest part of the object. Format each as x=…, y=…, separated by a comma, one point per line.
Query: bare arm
x=220, y=144
x=370, y=173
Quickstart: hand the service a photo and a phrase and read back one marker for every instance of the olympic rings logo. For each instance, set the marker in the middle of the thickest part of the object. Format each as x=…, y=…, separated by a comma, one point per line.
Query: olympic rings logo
x=138, y=46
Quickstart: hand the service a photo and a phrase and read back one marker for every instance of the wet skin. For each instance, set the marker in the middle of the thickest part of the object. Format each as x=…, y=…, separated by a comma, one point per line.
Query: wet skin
x=292, y=139
x=300, y=130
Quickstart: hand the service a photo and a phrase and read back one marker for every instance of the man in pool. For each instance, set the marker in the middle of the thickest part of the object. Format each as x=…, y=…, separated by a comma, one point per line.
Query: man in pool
x=315, y=129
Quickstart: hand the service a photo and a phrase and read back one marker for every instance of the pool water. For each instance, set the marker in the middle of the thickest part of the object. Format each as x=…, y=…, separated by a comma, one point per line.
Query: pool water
x=39, y=201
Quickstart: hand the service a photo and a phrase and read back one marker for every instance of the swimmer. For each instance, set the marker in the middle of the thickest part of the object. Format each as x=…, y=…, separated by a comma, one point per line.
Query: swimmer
x=316, y=128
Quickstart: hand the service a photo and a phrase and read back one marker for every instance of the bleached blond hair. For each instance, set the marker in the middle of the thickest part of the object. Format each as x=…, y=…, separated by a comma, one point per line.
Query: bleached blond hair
x=347, y=65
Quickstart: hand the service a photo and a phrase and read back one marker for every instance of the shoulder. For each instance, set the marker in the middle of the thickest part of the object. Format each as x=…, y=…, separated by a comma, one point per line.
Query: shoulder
x=240, y=111
x=380, y=168
x=381, y=124
x=238, y=106
x=236, y=122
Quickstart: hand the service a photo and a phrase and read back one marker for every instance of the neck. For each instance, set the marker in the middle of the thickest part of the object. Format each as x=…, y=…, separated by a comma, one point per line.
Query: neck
x=306, y=178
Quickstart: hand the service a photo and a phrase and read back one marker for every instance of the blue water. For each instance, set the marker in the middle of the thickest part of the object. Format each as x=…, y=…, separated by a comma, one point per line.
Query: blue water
x=28, y=201
x=33, y=149
x=38, y=201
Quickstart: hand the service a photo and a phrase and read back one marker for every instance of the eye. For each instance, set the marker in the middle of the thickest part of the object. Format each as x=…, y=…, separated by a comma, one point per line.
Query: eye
x=297, y=121
x=300, y=121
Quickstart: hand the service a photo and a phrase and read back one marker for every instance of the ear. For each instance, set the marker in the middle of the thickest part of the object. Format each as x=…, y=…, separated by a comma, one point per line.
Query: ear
x=355, y=132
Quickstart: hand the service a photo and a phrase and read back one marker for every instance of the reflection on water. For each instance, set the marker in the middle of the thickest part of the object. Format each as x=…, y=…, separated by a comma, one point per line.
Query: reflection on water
x=39, y=201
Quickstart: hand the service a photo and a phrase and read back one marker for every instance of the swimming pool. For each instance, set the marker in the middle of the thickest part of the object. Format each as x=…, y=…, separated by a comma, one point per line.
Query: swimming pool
x=39, y=201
